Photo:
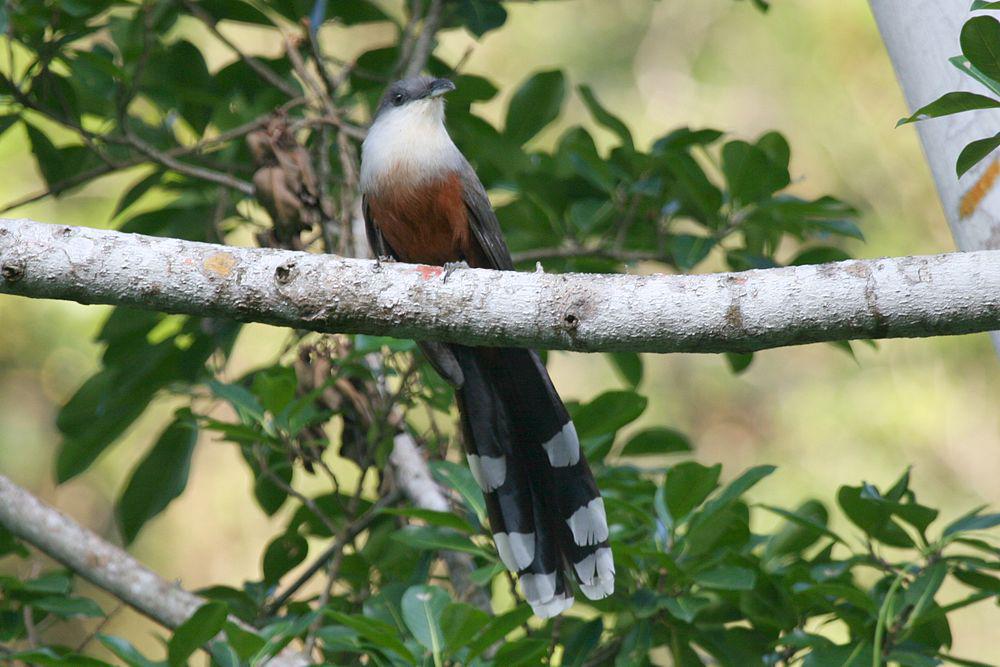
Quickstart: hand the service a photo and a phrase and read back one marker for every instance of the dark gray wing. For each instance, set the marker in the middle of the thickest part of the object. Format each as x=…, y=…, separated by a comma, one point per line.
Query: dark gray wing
x=483, y=220
x=380, y=248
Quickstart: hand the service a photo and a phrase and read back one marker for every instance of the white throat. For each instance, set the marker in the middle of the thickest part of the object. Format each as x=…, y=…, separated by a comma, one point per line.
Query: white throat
x=408, y=145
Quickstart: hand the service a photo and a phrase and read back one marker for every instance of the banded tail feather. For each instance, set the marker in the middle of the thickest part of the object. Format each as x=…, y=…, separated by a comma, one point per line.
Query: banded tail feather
x=545, y=510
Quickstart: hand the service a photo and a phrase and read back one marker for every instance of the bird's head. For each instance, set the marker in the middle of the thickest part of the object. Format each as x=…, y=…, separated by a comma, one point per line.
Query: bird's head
x=419, y=97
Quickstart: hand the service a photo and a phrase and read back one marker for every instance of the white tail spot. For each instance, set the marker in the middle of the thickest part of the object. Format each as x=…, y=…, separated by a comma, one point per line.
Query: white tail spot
x=489, y=471
x=516, y=550
x=564, y=447
x=589, y=524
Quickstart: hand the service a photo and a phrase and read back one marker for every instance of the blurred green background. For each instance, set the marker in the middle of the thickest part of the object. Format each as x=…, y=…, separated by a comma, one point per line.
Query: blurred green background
x=817, y=72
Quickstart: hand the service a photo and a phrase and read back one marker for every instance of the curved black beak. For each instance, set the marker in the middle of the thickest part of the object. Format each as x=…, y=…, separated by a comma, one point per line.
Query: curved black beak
x=440, y=86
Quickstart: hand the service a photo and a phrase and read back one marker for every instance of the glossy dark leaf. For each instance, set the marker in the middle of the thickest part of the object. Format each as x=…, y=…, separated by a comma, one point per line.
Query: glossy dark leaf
x=951, y=103
x=608, y=412
x=582, y=643
x=687, y=485
x=688, y=250
x=604, y=117
x=726, y=578
x=628, y=365
x=159, y=478
x=654, y=441
x=460, y=623
x=739, y=361
x=750, y=173
x=498, y=628
x=196, y=632
x=56, y=164
x=535, y=104
x=970, y=522
x=980, y=41
x=481, y=16
x=282, y=554
x=68, y=607
x=975, y=153
x=434, y=538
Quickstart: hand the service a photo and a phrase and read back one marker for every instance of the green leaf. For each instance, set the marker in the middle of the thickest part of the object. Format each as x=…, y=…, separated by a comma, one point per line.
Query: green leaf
x=196, y=632
x=872, y=517
x=727, y=578
x=739, y=361
x=8, y=120
x=984, y=4
x=604, y=117
x=434, y=518
x=460, y=623
x=434, y=538
x=951, y=103
x=686, y=607
x=974, y=521
x=68, y=607
x=422, y=608
x=282, y=554
x=688, y=250
x=459, y=478
x=658, y=440
x=750, y=172
x=535, y=104
x=525, y=651
x=805, y=526
x=628, y=365
x=975, y=152
x=687, y=485
x=498, y=628
x=379, y=633
x=582, y=644
x=481, y=16
x=124, y=650
x=607, y=413
x=56, y=164
x=159, y=478
x=819, y=255
x=980, y=41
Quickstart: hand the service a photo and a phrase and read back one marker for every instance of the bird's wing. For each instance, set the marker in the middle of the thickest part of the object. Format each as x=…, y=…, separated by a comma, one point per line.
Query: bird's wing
x=380, y=248
x=483, y=221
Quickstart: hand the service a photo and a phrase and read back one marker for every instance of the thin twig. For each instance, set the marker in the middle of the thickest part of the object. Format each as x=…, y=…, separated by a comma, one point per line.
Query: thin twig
x=262, y=70
x=355, y=528
x=425, y=42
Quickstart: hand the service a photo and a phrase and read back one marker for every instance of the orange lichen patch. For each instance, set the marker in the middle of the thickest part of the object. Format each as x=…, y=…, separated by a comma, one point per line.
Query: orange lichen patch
x=427, y=272
x=974, y=196
x=220, y=263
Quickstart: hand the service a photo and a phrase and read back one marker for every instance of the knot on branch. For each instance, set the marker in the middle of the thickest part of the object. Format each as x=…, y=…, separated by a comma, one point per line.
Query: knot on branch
x=12, y=271
x=285, y=273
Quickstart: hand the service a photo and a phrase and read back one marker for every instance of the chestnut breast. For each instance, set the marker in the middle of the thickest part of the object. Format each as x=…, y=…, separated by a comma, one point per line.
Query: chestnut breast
x=425, y=222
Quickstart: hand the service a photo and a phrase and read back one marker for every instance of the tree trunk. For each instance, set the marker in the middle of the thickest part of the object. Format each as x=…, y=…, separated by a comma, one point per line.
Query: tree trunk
x=921, y=35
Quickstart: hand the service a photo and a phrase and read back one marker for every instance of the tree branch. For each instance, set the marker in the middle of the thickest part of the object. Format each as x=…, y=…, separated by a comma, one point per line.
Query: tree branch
x=104, y=564
x=904, y=297
x=424, y=44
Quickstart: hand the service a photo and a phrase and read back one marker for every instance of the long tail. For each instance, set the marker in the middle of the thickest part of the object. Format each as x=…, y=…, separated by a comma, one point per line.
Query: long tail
x=545, y=510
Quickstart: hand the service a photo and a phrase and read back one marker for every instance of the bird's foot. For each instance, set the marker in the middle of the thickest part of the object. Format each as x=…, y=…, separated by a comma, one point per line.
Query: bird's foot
x=382, y=259
x=450, y=268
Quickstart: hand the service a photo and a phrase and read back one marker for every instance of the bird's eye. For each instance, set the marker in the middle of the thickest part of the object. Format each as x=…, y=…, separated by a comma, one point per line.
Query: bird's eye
x=397, y=99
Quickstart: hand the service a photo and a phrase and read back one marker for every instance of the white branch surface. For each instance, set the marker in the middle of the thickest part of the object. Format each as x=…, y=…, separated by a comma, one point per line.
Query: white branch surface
x=103, y=564
x=956, y=293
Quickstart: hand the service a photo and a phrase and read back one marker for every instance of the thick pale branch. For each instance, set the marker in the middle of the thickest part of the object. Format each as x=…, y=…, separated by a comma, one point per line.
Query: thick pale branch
x=885, y=298
x=102, y=563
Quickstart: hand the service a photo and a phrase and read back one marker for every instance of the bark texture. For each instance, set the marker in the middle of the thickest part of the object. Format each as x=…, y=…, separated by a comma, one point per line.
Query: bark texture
x=883, y=298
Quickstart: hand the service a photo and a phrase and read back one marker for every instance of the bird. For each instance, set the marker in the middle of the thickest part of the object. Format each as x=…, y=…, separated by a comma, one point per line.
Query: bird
x=424, y=204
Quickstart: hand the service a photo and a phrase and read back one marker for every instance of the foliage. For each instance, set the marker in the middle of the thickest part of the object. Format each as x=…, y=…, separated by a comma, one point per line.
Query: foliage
x=980, y=60
x=698, y=578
